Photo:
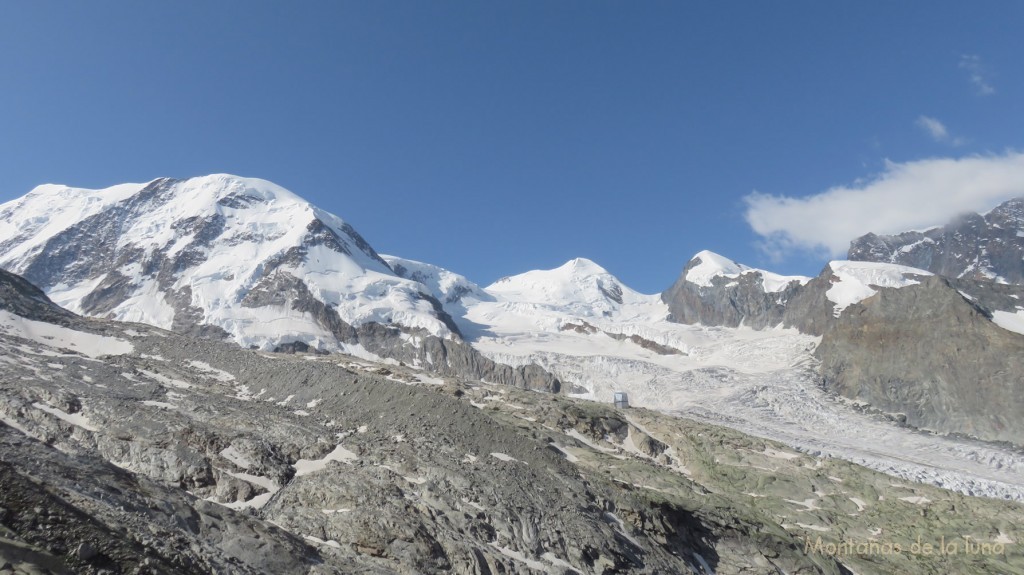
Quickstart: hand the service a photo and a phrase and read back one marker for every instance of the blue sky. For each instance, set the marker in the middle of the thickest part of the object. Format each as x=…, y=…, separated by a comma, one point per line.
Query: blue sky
x=493, y=138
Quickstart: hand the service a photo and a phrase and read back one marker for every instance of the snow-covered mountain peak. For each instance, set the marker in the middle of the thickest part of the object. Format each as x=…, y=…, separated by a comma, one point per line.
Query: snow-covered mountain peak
x=706, y=265
x=577, y=285
x=243, y=255
x=984, y=247
x=582, y=267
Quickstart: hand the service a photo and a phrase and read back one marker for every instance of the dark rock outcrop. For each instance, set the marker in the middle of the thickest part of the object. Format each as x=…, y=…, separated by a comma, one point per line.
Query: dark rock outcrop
x=20, y=297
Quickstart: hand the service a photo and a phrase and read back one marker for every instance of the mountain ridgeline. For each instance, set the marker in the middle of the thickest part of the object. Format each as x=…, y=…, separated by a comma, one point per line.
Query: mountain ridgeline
x=234, y=258
x=921, y=325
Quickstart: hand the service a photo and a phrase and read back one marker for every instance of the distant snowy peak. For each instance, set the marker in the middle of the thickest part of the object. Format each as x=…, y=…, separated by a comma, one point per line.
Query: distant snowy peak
x=707, y=265
x=704, y=267
x=240, y=255
x=853, y=282
x=576, y=285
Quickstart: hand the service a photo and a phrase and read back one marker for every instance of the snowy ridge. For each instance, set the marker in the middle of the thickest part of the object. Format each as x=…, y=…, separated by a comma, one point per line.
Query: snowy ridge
x=568, y=311
x=212, y=244
x=48, y=210
x=448, y=287
x=711, y=265
x=854, y=280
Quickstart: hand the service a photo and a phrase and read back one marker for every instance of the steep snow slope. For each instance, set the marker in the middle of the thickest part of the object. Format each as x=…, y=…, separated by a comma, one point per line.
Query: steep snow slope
x=240, y=254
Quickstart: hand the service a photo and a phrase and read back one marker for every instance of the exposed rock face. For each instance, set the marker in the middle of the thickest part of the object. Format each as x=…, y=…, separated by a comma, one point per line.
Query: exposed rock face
x=929, y=353
x=450, y=357
x=742, y=298
x=979, y=247
x=713, y=290
x=80, y=514
x=728, y=302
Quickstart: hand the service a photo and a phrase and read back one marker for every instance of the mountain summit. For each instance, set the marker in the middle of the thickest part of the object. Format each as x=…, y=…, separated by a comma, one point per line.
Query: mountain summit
x=578, y=286
x=239, y=256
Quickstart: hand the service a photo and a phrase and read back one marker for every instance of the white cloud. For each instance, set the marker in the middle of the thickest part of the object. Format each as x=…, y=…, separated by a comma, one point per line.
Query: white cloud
x=937, y=130
x=977, y=74
x=905, y=196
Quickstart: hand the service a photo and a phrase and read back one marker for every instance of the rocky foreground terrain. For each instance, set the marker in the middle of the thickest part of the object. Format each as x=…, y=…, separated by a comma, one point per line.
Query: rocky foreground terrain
x=129, y=449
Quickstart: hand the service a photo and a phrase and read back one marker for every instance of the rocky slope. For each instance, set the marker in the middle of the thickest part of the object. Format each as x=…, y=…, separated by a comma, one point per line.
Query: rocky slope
x=986, y=246
x=932, y=355
x=125, y=448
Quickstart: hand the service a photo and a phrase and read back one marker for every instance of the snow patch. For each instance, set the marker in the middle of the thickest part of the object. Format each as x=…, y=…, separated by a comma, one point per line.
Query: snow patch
x=59, y=337
x=211, y=372
x=14, y=425
x=1010, y=321
x=307, y=466
x=165, y=380
x=328, y=542
x=856, y=281
x=512, y=554
x=76, y=419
